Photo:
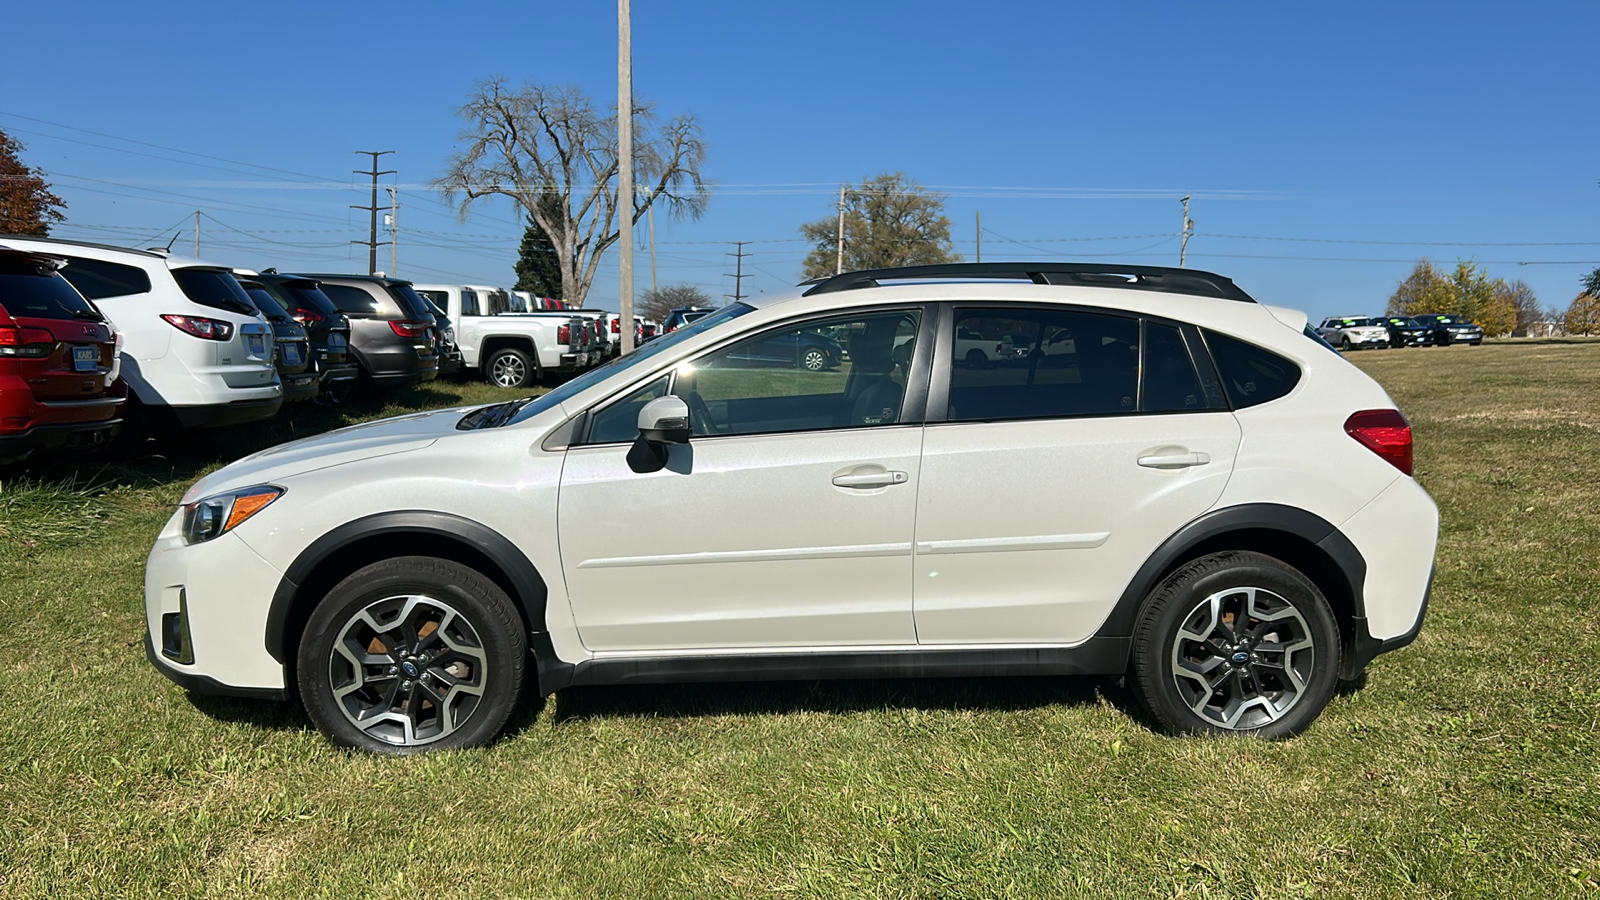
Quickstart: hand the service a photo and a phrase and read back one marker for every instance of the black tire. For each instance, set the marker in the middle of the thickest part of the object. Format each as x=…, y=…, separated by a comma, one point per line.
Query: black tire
x=977, y=359
x=510, y=368
x=1236, y=682
x=813, y=360
x=475, y=650
x=1344, y=344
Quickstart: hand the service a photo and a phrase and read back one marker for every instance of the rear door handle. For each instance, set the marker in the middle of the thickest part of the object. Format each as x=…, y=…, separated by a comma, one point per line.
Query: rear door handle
x=1174, y=460
x=869, y=479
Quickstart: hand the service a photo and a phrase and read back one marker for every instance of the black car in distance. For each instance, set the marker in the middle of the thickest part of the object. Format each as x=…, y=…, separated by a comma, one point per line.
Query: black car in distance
x=1404, y=331
x=1446, y=329
x=291, y=346
x=326, y=328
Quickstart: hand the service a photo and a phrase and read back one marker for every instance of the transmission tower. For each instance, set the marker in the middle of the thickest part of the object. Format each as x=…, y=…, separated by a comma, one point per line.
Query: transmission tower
x=373, y=208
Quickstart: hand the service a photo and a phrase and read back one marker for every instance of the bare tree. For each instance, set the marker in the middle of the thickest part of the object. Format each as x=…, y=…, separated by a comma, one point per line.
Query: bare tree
x=1521, y=299
x=554, y=153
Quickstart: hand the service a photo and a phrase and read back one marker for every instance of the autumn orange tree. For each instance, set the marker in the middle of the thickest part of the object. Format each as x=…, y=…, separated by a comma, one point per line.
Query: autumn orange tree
x=1468, y=291
x=26, y=204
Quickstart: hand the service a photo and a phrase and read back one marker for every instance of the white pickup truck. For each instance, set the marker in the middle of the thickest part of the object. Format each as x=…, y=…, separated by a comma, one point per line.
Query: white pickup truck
x=501, y=302
x=510, y=351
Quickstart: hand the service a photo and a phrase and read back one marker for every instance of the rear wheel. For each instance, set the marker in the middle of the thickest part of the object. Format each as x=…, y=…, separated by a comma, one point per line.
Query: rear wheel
x=1236, y=643
x=814, y=360
x=510, y=368
x=410, y=655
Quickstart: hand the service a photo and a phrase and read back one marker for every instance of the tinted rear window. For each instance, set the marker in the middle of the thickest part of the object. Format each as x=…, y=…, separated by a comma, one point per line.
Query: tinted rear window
x=351, y=300
x=264, y=301
x=31, y=291
x=305, y=295
x=97, y=279
x=1250, y=375
x=413, y=305
x=214, y=288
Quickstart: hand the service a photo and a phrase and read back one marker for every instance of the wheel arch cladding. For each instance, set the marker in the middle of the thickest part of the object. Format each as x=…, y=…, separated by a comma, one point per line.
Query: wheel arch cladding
x=359, y=543
x=1297, y=537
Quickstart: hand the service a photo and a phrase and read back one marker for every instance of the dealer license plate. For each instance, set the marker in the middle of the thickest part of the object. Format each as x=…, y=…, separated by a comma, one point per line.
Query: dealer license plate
x=256, y=344
x=85, y=359
x=291, y=354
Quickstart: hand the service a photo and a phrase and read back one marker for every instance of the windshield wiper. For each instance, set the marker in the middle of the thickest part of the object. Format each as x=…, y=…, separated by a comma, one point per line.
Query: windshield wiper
x=89, y=314
x=493, y=416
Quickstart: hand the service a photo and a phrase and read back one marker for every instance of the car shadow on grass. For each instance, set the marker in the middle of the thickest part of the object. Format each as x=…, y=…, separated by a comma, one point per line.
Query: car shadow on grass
x=1008, y=694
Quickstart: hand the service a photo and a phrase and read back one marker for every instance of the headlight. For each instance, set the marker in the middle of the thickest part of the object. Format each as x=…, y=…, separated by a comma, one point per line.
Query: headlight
x=214, y=516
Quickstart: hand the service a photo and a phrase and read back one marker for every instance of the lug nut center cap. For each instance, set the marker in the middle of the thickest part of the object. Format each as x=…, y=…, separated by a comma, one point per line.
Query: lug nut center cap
x=410, y=668
x=1239, y=658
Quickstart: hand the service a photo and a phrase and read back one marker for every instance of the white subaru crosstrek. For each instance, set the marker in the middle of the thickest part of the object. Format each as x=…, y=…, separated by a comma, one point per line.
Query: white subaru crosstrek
x=1187, y=486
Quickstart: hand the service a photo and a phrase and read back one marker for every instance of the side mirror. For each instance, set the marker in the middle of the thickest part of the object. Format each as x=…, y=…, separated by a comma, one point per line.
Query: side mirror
x=665, y=420
x=662, y=421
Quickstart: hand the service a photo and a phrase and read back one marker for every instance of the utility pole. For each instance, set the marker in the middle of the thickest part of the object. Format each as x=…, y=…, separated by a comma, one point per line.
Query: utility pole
x=197, y=234
x=625, y=164
x=1188, y=229
x=392, y=219
x=737, y=274
x=979, y=215
x=838, y=266
x=372, y=234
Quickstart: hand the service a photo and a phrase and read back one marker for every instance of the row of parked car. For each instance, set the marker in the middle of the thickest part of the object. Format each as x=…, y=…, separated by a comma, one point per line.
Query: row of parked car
x=96, y=339
x=1431, y=330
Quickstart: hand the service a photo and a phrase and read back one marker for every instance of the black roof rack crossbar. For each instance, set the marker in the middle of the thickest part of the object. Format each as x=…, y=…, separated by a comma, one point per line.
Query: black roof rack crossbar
x=1145, y=278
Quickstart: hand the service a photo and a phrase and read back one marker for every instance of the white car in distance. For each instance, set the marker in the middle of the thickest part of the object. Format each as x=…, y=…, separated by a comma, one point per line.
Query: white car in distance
x=1198, y=495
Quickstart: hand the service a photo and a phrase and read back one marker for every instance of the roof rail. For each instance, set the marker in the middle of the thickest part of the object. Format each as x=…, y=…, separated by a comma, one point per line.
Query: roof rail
x=1141, y=278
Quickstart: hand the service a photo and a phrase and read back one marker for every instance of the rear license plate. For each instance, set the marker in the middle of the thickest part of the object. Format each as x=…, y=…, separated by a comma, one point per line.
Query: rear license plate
x=291, y=354
x=85, y=359
x=256, y=344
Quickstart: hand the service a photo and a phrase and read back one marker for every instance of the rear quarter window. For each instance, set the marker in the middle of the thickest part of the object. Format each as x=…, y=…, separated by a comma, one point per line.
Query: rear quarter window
x=1250, y=375
x=97, y=279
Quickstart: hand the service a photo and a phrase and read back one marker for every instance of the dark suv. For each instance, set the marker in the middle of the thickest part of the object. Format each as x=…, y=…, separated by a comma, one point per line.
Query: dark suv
x=682, y=316
x=1445, y=330
x=291, y=345
x=57, y=360
x=327, y=328
x=1404, y=331
x=393, y=336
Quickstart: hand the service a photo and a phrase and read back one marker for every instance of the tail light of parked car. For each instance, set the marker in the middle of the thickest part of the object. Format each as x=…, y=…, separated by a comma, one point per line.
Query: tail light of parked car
x=410, y=329
x=27, y=343
x=306, y=316
x=563, y=334
x=1385, y=432
x=201, y=327
x=616, y=326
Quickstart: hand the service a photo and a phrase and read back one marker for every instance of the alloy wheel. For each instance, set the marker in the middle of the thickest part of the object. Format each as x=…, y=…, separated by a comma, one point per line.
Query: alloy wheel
x=1242, y=658
x=407, y=670
x=509, y=371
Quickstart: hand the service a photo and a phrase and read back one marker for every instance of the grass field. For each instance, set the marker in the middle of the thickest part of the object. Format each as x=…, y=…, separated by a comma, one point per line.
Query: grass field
x=1467, y=766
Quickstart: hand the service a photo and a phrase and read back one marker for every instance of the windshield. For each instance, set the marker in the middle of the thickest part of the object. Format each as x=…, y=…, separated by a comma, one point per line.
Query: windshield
x=654, y=348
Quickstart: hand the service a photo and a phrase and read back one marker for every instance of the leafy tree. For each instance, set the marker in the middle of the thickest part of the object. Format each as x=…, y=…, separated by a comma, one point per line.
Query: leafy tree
x=658, y=304
x=1425, y=290
x=1591, y=283
x=552, y=151
x=538, y=265
x=1520, y=297
x=1583, y=316
x=27, y=205
x=889, y=220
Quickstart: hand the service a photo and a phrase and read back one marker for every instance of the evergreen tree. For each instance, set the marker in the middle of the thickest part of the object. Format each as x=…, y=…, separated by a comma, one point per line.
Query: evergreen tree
x=538, y=266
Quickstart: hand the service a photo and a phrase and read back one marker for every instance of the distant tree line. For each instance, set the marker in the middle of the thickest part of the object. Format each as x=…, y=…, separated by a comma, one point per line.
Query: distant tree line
x=1501, y=307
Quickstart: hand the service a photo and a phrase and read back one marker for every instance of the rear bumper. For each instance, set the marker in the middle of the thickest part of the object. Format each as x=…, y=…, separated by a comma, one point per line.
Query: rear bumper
x=221, y=415
x=69, y=436
x=335, y=374
x=395, y=364
x=301, y=387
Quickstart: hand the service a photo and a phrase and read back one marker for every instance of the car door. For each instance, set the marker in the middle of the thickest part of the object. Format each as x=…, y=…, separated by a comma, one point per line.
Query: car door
x=1053, y=477
x=786, y=521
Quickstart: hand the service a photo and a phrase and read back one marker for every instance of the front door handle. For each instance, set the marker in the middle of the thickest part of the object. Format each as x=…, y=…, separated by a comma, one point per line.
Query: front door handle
x=1174, y=460
x=869, y=479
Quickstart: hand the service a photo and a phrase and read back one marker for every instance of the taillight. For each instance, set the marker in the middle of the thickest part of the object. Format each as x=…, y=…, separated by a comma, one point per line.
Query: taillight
x=563, y=334
x=1385, y=432
x=201, y=327
x=27, y=343
x=306, y=316
x=410, y=329
x=616, y=326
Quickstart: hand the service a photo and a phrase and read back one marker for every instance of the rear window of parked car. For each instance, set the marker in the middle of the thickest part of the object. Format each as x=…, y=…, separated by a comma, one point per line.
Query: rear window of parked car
x=1250, y=375
x=214, y=288
x=413, y=304
x=351, y=300
x=97, y=279
x=31, y=290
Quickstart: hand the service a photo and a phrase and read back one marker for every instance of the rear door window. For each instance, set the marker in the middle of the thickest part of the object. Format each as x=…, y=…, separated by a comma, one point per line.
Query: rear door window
x=97, y=279
x=29, y=290
x=1042, y=363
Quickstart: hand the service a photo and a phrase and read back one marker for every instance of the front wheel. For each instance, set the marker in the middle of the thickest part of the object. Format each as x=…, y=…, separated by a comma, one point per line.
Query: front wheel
x=814, y=360
x=1236, y=643
x=410, y=655
x=511, y=368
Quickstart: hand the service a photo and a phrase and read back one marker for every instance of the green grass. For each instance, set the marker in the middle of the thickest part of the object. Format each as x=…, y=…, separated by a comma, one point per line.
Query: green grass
x=1467, y=766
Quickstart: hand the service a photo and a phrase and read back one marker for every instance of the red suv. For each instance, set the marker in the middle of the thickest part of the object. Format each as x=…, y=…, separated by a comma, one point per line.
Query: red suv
x=57, y=353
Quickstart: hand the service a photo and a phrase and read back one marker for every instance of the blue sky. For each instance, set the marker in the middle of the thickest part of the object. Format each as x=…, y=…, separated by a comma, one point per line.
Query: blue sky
x=1327, y=146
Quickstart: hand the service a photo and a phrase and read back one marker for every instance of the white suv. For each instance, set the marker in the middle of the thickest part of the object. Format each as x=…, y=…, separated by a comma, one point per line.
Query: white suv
x=196, y=353
x=1187, y=487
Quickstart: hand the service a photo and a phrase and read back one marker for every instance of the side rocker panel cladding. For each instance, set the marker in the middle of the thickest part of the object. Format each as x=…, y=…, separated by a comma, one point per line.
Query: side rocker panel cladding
x=528, y=585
